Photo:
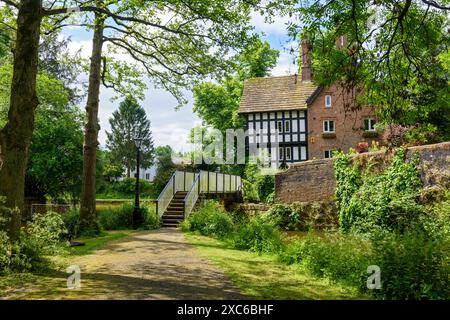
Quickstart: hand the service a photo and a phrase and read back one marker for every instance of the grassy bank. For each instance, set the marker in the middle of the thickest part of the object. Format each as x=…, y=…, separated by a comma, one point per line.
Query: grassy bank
x=263, y=277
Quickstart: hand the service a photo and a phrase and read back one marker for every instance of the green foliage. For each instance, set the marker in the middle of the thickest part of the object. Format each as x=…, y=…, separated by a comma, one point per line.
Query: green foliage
x=72, y=222
x=302, y=216
x=217, y=104
x=40, y=238
x=413, y=265
x=127, y=123
x=258, y=235
x=125, y=189
x=340, y=258
x=210, y=220
x=164, y=167
x=122, y=218
x=378, y=202
x=56, y=152
x=395, y=57
x=258, y=186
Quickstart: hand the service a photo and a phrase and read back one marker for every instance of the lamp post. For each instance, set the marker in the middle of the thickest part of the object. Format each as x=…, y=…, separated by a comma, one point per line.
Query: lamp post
x=137, y=211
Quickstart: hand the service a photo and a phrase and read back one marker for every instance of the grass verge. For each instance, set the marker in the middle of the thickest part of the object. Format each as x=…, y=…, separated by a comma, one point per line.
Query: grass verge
x=263, y=277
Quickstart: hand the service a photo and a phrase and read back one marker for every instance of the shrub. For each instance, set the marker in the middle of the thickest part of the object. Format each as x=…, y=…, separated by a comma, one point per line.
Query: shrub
x=72, y=222
x=258, y=235
x=413, y=266
x=381, y=201
x=41, y=238
x=258, y=186
x=121, y=218
x=210, y=220
x=339, y=258
x=303, y=216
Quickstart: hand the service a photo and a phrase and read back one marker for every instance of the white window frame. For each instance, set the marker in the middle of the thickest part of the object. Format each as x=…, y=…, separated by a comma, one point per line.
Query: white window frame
x=328, y=101
x=280, y=126
x=281, y=153
x=288, y=154
x=287, y=126
x=326, y=126
x=370, y=125
x=330, y=154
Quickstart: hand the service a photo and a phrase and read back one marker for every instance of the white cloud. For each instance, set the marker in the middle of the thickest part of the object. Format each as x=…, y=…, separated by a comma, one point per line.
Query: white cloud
x=278, y=26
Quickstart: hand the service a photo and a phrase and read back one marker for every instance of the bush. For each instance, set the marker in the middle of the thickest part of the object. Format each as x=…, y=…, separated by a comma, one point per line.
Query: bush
x=121, y=218
x=413, y=266
x=210, y=220
x=258, y=235
x=385, y=201
x=41, y=238
x=339, y=258
x=303, y=216
x=72, y=222
x=258, y=186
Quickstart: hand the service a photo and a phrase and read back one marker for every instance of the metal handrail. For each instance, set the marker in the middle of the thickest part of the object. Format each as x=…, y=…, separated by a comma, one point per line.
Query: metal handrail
x=163, y=196
x=191, y=198
x=196, y=184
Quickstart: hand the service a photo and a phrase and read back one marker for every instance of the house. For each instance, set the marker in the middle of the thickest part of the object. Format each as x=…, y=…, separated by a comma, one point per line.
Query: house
x=293, y=119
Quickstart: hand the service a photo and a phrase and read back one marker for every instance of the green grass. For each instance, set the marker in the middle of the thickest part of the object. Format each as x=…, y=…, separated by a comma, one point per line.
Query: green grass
x=21, y=285
x=263, y=277
x=92, y=244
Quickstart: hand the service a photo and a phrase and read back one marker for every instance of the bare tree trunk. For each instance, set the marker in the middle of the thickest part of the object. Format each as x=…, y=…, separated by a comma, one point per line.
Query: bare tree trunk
x=128, y=170
x=92, y=127
x=15, y=137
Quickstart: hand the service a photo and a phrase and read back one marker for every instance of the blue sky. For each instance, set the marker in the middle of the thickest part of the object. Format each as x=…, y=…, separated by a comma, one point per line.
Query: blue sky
x=170, y=126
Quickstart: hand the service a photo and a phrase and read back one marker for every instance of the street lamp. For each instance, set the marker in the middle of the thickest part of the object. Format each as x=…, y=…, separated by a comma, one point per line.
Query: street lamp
x=137, y=211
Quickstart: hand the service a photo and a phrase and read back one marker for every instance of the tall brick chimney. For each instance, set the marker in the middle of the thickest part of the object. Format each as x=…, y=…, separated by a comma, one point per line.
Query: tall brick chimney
x=306, y=69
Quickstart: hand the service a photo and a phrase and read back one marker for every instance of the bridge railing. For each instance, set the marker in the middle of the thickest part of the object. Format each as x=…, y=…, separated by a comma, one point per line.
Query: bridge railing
x=203, y=182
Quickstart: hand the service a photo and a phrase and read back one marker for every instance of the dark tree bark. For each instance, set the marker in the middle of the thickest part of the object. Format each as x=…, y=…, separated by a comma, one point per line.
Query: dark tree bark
x=92, y=127
x=15, y=137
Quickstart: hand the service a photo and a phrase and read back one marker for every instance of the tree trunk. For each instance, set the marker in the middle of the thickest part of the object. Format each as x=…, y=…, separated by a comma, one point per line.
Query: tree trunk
x=15, y=137
x=129, y=170
x=92, y=127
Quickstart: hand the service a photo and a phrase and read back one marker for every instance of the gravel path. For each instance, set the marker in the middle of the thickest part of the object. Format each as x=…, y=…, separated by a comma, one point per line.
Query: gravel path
x=154, y=265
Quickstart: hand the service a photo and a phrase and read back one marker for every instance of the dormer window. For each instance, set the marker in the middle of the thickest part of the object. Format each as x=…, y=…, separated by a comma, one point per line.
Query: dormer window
x=328, y=101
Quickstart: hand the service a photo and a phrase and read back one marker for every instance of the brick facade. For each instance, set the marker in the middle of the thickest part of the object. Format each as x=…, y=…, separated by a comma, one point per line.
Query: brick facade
x=349, y=126
x=314, y=180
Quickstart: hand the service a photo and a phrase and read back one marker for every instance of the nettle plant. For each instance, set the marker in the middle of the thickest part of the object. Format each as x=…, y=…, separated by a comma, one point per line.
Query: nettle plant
x=383, y=201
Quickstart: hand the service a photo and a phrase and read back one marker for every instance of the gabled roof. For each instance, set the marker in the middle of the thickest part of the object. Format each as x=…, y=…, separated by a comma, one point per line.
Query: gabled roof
x=275, y=93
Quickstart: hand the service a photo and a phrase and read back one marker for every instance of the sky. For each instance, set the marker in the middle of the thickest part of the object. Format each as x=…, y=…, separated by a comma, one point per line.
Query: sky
x=170, y=126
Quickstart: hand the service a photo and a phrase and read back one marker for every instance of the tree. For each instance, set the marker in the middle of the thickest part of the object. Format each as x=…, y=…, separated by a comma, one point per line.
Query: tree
x=193, y=43
x=390, y=55
x=217, y=104
x=127, y=123
x=164, y=166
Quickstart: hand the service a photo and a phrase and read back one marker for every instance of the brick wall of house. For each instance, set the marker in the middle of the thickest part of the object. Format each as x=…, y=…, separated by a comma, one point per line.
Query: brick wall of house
x=314, y=180
x=349, y=126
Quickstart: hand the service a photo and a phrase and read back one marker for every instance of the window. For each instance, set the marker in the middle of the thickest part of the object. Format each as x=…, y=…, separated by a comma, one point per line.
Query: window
x=328, y=126
x=328, y=154
x=281, y=153
x=327, y=101
x=288, y=153
x=287, y=126
x=280, y=126
x=147, y=176
x=369, y=125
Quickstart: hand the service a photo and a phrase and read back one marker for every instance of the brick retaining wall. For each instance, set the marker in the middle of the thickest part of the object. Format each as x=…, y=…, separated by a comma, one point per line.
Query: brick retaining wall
x=314, y=180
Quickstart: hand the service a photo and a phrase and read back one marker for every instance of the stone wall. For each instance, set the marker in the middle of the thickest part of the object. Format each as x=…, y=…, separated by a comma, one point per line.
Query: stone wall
x=314, y=180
